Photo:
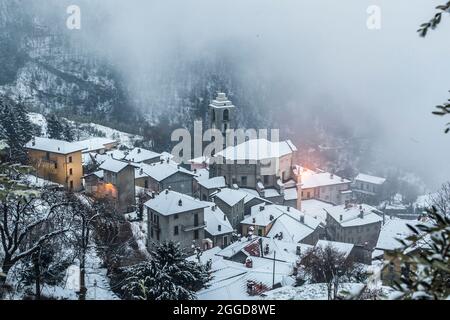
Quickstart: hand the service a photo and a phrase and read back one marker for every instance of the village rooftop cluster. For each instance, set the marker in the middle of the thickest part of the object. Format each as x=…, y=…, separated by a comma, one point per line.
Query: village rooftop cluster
x=250, y=220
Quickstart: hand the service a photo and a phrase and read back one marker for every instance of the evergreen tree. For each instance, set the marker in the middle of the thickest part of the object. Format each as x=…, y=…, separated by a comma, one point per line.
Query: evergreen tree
x=25, y=127
x=16, y=128
x=68, y=133
x=167, y=276
x=55, y=128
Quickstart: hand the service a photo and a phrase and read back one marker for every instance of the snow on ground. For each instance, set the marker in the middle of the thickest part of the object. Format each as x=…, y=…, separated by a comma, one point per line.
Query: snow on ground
x=34, y=181
x=97, y=282
x=124, y=138
x=315, y=291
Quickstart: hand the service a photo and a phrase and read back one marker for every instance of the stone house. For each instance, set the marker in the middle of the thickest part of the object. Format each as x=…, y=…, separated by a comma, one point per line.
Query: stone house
x=164, y=174
x=173, y=216
x=57, y=161
x=352, y=223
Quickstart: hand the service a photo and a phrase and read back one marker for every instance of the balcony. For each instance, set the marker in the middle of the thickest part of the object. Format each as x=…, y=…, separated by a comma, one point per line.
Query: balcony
x=193, y=227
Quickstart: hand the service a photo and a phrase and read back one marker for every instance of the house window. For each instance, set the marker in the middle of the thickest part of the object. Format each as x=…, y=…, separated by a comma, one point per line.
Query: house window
x=225, y=241
x=70, y=171
x=151, y=233
x=56, y=165
x=175, y=230
x=308, y=194
x=244, y=180
x=70, y=159
x=71, y=185
x=175, y=216
x=195, y=234
x=226, y=115
x=196, y=219
x=213, y=115
x=266, y=180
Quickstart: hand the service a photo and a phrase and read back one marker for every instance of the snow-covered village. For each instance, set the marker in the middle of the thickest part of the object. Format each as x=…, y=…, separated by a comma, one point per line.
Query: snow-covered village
x=225, y=191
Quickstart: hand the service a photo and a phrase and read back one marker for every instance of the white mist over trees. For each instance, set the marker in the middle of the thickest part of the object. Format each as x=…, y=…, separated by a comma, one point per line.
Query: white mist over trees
x=286, y=64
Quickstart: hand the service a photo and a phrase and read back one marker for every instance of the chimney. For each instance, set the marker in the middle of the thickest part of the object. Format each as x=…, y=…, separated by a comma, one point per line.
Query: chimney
x=167, y=160
x=180, y=202
x=302, y=218
x=249, y=262
x=213, y=208
x=167, y=191
x=195, y=170
x=288, y=208
x=33, y=142
x=271, y=217
x=224, y=217
x=298, y=251
x=340, y=217
x=361, y=214
x=331, y=176
x=139, y=150
x=162, y=161
x=261, y=208
x=141, y=172
x=254, y=220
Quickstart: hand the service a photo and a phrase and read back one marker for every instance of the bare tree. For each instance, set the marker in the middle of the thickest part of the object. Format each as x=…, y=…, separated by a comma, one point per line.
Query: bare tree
x=85, y=211
x=441, y=199
x=21, y=218
x=326, y=265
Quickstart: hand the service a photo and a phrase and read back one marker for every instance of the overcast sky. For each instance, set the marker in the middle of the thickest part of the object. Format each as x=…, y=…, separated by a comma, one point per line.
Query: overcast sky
x=321, y=47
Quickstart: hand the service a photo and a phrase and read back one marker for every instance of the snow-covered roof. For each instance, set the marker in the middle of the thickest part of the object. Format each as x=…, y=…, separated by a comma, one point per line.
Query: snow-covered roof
x=341, y=247
x=213, y=183
x=99, y=174
x=290, y=194
x=201, y=174
x=94, y=144
x=230, y=196
x=53, y=145
x=392, y=230
x=168, y=203
x=221, y=101
x=370, y=179
x=351, y=214
x=214, y=217
x=292, y=229
x=315, y=208
x=160, y=170
x=258, y=149
x=116, y=154
x=311, y=179
x=140, y=155
x=113, y=165
x=271, y=193
x=263, y=215
x=199, y=160
x=271, y=212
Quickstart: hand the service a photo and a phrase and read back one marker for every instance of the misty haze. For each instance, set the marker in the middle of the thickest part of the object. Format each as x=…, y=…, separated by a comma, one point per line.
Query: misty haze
x=92, y=91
